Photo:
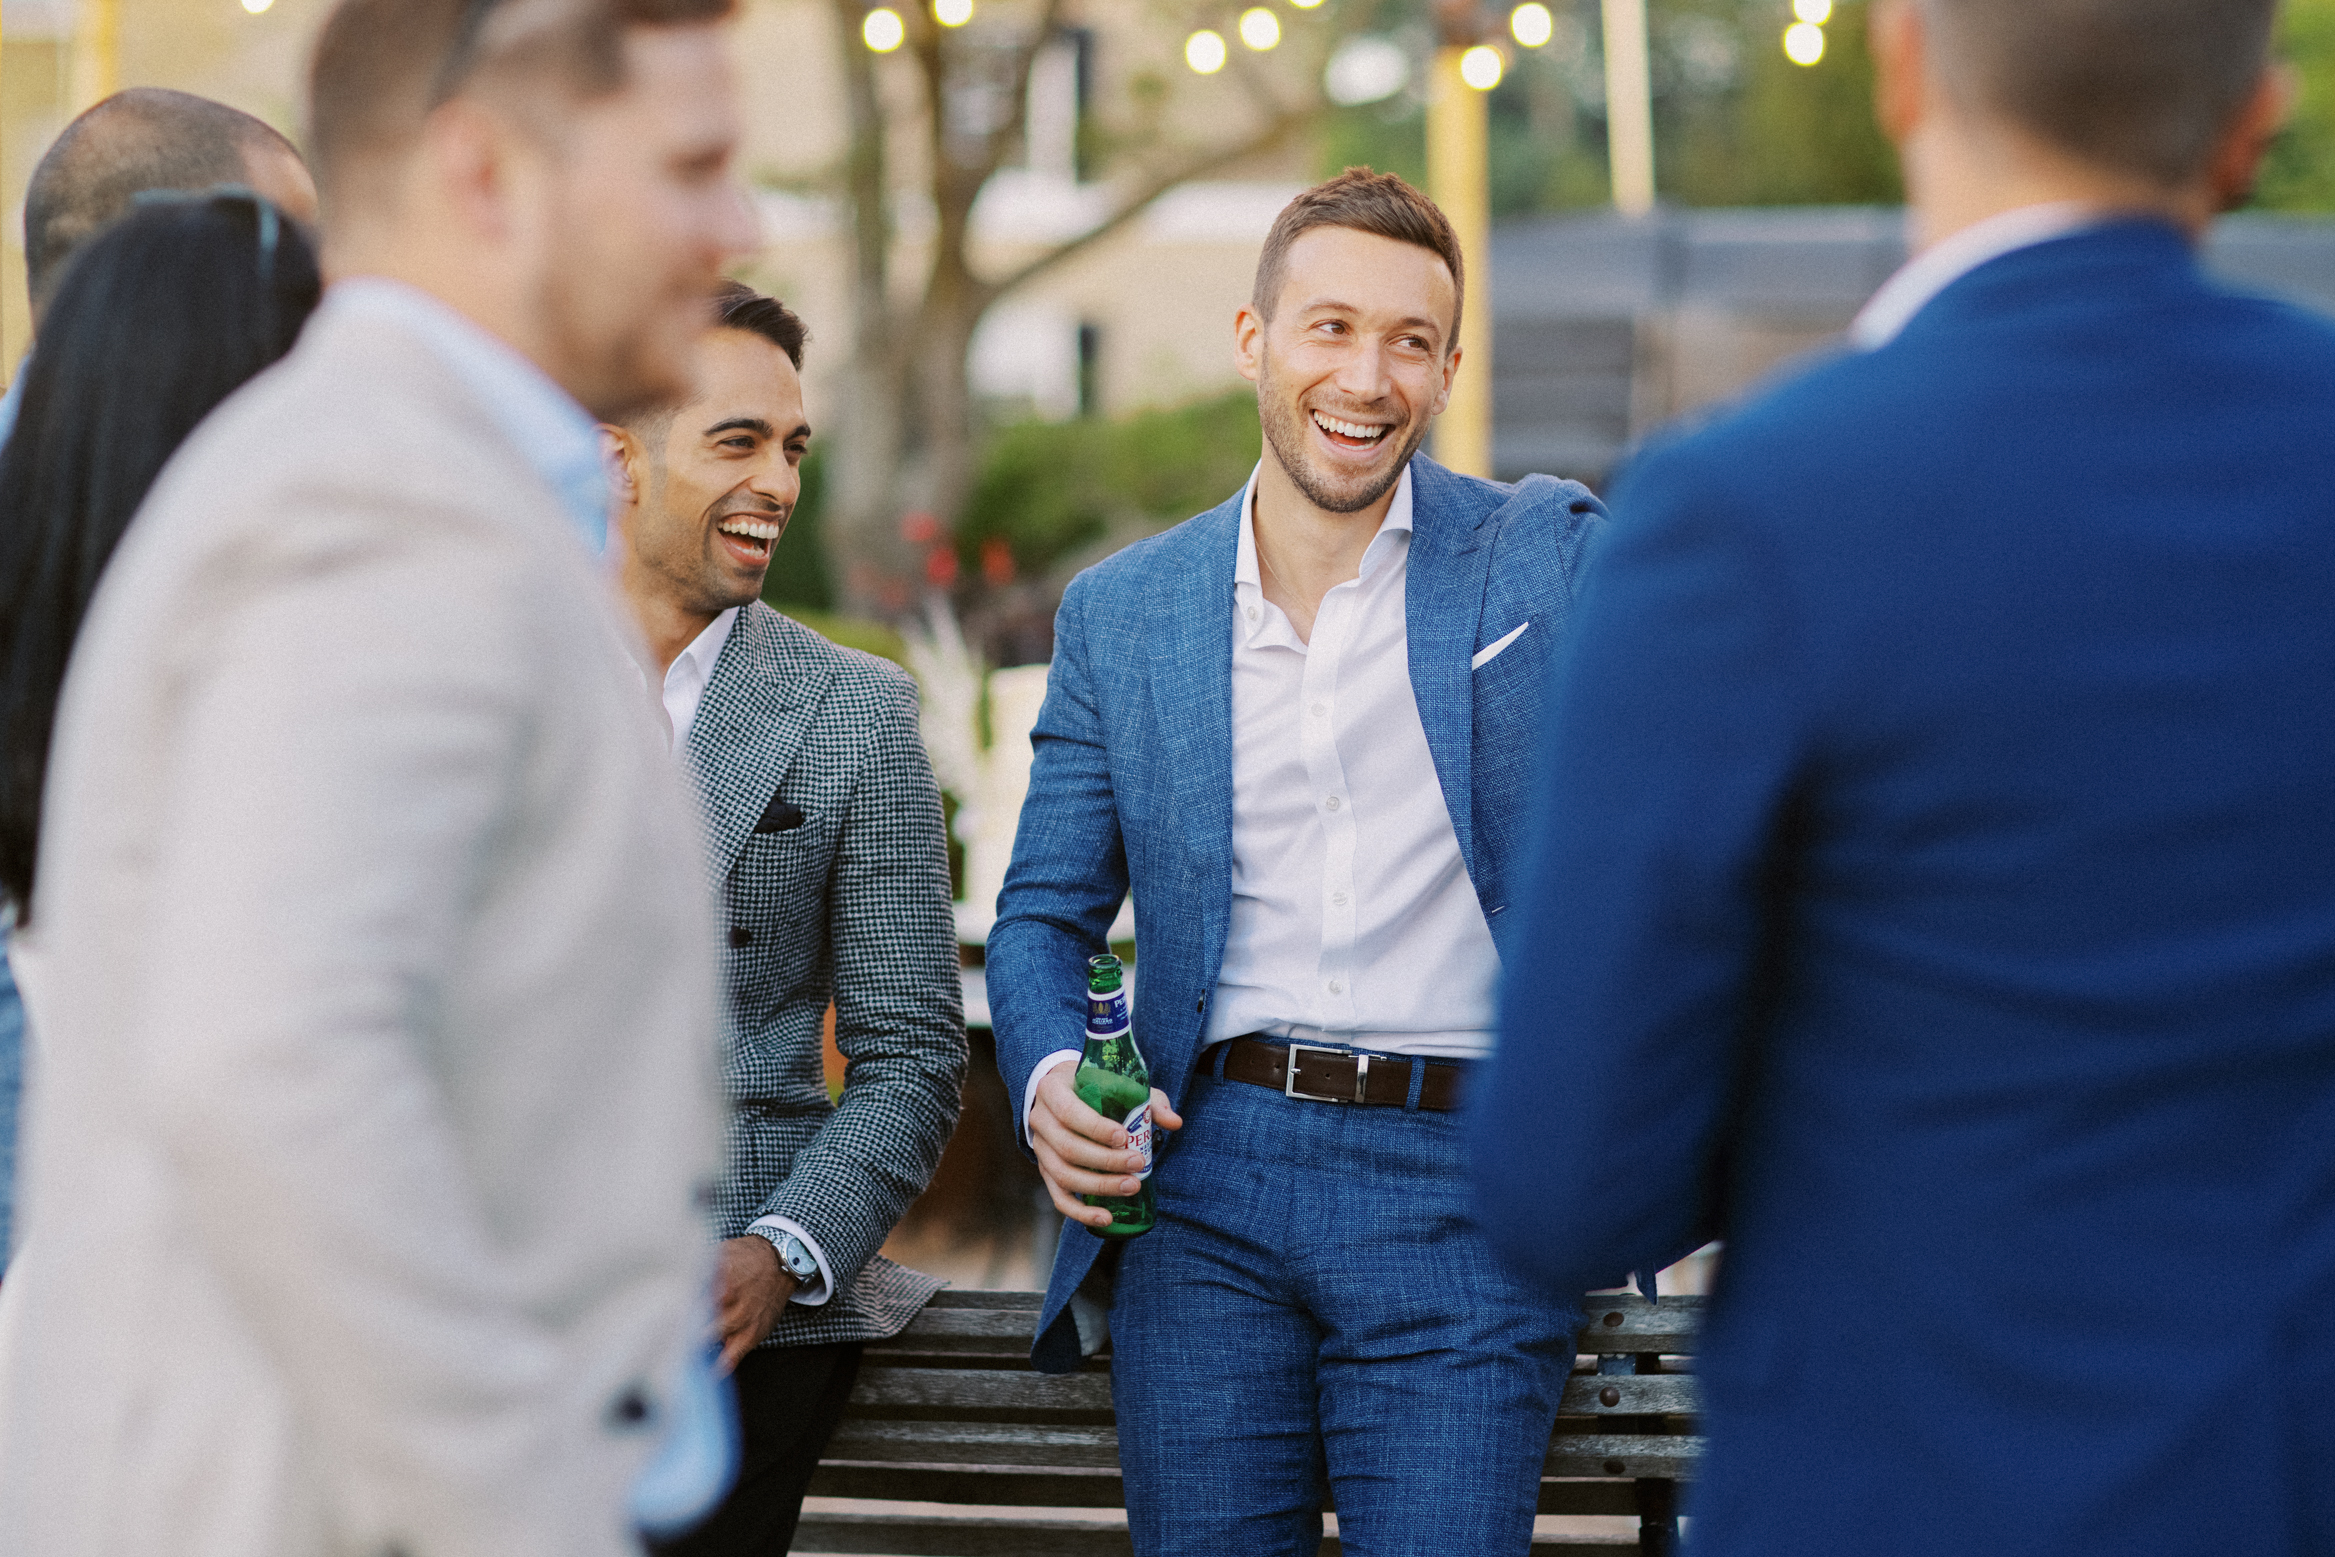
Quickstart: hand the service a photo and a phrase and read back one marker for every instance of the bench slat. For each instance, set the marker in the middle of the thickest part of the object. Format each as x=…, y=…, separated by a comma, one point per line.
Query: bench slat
x=1009, y=1319
x=937, y=1534
x=974, y=1443
x=1019, y=1484
x=1641, y=1394
x=896, y=1390
x=911, y=1534
x=1662, y=1456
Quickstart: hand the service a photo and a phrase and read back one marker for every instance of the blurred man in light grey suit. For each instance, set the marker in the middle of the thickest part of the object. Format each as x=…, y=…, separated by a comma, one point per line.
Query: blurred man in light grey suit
x=378, y=1104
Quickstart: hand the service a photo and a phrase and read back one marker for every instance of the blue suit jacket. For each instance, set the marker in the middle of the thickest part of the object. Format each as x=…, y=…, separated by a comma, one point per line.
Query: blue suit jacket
x=1938, y=898
x=1132, y=785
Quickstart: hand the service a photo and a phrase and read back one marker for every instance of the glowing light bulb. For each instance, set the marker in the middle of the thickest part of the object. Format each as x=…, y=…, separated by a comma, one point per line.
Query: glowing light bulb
x=1204, y=51
x=1481, y=67
x=1260, y=29
x=1803, y=43
x=1532, y=25
x=1305, y=5
x=257, y=6
x=1814, y=12
x=952, y=13
x=883, y=31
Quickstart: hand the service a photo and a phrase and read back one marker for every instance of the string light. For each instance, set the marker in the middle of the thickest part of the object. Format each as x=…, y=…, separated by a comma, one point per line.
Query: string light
x=1260, y=29
x=883, y=31
x=1803, y=43
x=1305, y=5
x=1481, y=67
x=1814, y=12
x=257, y=6
x=1205, y=52
x=952, y=13
x=1532, y=25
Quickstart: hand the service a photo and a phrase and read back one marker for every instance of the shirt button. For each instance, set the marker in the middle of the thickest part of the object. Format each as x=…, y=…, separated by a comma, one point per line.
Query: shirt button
x=1331, y=803
x=1338, y=898
x=1320, y=709
x=1337, y=988
x=1252, y=613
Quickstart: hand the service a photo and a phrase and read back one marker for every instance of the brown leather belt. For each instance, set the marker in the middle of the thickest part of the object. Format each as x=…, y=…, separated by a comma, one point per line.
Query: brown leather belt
x=1339, y=1075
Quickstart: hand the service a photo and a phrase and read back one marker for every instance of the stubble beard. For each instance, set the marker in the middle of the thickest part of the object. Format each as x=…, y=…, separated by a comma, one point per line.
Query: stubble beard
x=1286, y=425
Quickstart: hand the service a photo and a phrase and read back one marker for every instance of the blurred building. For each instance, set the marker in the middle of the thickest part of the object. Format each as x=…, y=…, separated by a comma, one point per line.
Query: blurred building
x=1606, y=328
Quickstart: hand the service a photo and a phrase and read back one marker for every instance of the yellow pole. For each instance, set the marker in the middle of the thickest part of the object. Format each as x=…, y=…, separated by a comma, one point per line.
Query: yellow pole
x=1460, y=181
x=1629, y=106
x=96, y=52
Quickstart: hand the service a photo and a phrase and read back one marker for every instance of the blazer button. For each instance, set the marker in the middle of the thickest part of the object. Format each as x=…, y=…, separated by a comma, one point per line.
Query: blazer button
x=741, y=936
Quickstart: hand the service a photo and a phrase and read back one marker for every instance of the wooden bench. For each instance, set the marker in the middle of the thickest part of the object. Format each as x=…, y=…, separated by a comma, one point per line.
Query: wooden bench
x=981, y=1455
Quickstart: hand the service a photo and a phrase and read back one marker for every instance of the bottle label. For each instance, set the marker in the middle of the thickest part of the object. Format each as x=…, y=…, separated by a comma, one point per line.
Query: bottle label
x=1106, y=1015
x=1139, y=1137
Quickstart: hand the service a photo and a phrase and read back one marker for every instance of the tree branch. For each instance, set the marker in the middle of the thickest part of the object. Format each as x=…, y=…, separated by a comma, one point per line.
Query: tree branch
x=1148, y=194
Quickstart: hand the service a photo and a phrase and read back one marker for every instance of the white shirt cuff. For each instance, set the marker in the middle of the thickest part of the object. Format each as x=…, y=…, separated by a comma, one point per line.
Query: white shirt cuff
x=820, y=1287
x=1030, y=1092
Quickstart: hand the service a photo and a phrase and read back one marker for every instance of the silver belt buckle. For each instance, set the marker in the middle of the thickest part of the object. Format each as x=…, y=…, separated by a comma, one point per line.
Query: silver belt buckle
x=1289, y=1075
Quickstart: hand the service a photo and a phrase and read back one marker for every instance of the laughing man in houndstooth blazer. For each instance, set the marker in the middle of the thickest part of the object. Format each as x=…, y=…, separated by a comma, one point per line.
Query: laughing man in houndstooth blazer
x=826, y=853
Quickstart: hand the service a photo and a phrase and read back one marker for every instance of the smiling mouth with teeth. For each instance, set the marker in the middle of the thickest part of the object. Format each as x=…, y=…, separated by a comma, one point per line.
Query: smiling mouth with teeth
x=1350, y=435
x=760, y=534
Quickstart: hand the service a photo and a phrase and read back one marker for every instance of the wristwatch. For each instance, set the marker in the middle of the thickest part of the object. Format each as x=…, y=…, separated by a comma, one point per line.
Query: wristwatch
x=796, y=1256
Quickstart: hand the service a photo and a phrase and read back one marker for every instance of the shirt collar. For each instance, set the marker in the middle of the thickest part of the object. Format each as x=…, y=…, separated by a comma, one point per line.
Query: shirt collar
x=557, y=437
x=1248, y=579
x=1938, y=267
x=706, y=647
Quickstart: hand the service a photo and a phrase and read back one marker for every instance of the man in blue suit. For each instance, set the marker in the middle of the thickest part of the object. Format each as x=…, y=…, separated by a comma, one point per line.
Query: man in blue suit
x=1936, y=896
x=1299, y=728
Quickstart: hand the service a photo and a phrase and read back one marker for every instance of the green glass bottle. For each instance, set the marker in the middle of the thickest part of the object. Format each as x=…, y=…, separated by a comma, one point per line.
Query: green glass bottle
x=1113, y=1081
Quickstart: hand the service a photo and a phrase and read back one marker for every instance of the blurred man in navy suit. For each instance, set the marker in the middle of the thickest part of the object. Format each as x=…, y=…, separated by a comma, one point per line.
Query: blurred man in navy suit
x=1935, y=895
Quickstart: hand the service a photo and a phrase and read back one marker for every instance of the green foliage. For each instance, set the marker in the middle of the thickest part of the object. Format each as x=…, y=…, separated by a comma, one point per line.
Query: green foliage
x=1048, y=488
x=798, y=565
x=1785, y=134
x=2300, y=174
x=853, y=632
x=1735, y=122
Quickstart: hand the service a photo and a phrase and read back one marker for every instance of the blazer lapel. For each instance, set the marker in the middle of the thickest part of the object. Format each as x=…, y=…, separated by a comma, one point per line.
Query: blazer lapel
x=1191, y=679
x=1443, y=605
x=758, y=706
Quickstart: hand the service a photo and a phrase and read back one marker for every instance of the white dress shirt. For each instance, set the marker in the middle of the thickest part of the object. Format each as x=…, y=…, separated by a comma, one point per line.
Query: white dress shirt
x=691, y=669
x=684, y=691
x=1353, y=918
x=1942, y=264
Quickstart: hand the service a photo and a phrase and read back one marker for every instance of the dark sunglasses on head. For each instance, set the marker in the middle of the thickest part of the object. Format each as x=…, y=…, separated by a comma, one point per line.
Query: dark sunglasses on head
x=264, y=212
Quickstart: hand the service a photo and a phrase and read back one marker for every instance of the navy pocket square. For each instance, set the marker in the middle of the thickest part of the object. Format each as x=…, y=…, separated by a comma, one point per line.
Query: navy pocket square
x=779, y=817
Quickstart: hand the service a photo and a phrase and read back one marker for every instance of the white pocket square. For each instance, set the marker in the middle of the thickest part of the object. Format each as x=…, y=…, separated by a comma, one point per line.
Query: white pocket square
x=1491, y=651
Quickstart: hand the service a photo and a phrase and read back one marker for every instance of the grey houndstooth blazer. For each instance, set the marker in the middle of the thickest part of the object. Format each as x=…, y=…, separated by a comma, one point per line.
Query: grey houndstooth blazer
x=828, y=859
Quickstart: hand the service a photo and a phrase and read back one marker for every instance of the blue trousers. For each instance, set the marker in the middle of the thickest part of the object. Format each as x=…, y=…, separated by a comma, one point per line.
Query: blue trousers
x=1316, y=1311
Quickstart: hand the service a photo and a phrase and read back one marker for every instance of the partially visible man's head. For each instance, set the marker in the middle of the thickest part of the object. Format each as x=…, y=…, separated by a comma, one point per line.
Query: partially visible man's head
x=705, y=488
x=1352, y=334
x=2146, y=88
x=562, y=165
x=141, y=139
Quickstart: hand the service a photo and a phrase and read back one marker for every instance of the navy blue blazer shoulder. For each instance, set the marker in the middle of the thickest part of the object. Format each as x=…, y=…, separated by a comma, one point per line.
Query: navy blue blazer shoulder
x=1131, y=787
x=1937, y=898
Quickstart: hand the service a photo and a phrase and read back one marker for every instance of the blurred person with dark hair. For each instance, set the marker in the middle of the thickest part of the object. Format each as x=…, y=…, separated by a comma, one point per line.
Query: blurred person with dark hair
x=164, y=316
x=134, y=142
x=1935, y=895
x=378, y=1099
x=1286, y=726
x=823, y=828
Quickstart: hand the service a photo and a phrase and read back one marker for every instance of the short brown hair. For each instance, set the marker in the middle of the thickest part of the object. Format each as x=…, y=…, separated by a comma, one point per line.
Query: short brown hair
x=381, y=66
x=1365, y=201
x=2147, y=87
